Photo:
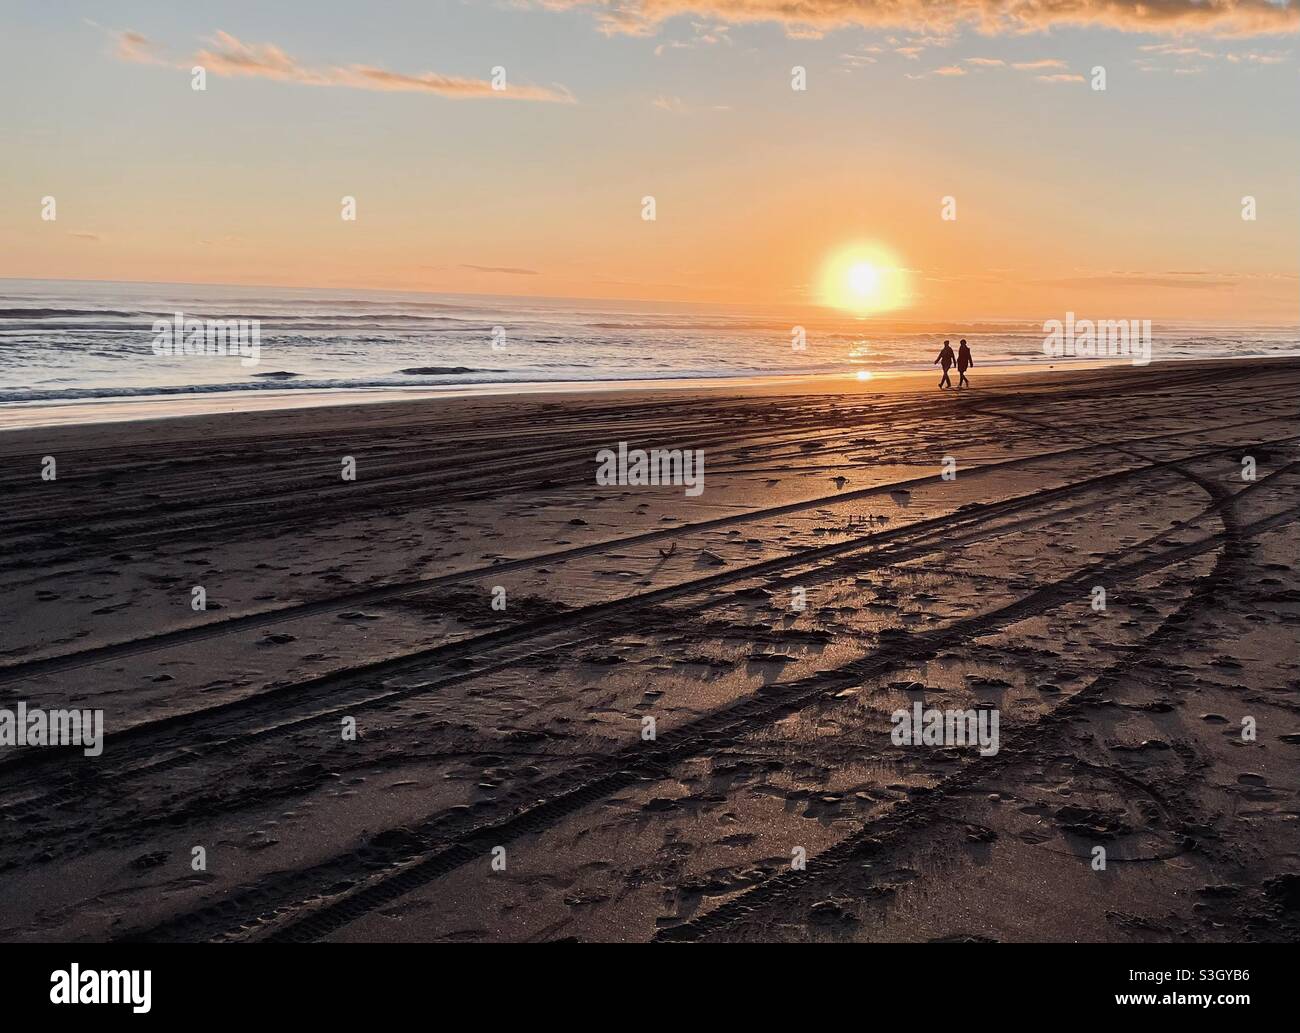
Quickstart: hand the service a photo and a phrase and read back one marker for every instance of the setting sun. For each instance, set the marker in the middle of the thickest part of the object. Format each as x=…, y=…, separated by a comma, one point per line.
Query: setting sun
x=863, y=279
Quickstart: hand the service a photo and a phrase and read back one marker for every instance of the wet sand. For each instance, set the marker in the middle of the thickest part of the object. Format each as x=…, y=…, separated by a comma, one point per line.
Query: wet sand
x=520, y=735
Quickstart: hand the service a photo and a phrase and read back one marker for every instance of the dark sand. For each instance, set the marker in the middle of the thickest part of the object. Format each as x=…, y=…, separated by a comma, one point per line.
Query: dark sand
x=522, y=729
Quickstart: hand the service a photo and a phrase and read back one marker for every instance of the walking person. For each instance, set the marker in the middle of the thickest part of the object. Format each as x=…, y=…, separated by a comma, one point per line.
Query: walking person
x=964, y=362
x=946, y=358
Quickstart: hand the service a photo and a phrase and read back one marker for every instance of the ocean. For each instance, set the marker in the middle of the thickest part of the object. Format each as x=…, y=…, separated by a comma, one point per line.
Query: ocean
x=79, y=340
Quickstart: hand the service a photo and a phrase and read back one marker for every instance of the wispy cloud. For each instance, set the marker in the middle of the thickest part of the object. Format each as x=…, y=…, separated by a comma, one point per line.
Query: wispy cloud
x=134, y=46
x=1054, y=68
x=1255, y=58
x=1216, y=17
x=706, y=34
x=1175, y=50
x=861, y=58
x=227, y=55
x=508, y=270
x=668, y=102
x=1198, y=281
x=1184, y=54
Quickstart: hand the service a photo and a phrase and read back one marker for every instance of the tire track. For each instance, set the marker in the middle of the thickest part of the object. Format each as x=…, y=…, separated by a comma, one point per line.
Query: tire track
x=612, y=617
x=234, y=520
x=568, y=792
x=152, y=737
x=94, y=778
x=900, y=544
x=907, y=816
x=382, y=593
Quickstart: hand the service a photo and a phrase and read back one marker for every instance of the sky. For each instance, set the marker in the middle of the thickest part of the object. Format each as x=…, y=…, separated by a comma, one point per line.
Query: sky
x=1125, y=202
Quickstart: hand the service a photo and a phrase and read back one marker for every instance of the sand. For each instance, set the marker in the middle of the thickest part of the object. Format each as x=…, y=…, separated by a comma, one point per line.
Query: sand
x=502, y=784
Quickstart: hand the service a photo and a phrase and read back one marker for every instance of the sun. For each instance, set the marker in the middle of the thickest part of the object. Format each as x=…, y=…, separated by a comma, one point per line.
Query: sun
x=864, y=279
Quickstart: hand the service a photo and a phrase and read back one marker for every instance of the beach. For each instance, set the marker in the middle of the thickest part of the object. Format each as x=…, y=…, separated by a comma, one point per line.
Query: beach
x=411, y=671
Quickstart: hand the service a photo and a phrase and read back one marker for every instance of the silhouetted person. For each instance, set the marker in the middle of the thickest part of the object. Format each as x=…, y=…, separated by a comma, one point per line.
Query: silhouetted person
x=946, y=358
x=964, y=362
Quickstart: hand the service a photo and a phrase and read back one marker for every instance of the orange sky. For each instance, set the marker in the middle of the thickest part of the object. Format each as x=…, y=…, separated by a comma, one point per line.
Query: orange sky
x=1121, y=203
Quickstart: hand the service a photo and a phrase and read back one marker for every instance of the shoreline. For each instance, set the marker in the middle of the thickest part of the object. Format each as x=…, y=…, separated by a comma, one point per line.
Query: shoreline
x=35, y=415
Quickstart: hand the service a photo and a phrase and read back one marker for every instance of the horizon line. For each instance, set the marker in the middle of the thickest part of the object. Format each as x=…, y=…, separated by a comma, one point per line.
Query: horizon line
x=824, y=311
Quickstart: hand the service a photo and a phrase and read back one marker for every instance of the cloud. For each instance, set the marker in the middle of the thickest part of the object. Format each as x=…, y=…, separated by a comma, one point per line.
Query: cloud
x=1216, y=17
x=667, y=102
x=500, y=269
x=1185, y=53
x=132, y=46
x=934, y=41
x=706, y=35
x=1044, y=65
x=950, y=70
x=1175, y=50
x=1172, y=281
x=85, y=236
x=1257, y=59
x=227, y=55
